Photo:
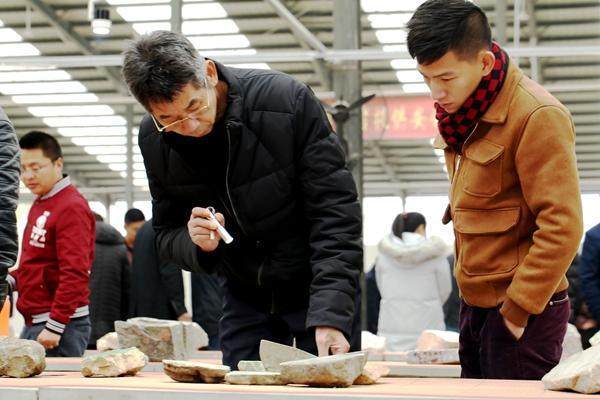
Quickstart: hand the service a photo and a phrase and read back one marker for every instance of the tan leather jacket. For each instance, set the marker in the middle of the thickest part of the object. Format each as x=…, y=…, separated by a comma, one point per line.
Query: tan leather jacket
x=515, y=201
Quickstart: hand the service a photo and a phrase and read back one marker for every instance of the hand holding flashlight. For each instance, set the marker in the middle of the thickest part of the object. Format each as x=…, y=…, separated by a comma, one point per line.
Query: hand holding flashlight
x=227, y=238
x=203, y=228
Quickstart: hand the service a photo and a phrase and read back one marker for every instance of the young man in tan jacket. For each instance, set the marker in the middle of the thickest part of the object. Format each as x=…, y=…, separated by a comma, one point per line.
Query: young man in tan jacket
x=514, y=198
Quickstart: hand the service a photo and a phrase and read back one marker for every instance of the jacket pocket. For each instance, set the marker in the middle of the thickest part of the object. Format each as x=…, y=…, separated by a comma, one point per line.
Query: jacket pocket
x=482, y=175
x=487, y=240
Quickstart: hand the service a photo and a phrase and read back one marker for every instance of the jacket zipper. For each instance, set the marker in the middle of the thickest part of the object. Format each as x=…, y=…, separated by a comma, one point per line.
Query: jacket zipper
x=227, y=180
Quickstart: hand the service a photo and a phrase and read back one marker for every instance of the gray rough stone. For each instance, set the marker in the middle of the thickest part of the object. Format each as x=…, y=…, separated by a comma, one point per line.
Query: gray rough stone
x=340, y=370
x=256, y=366
x=254, y=378
x=431, y=339
x=571, y=343
x=449, y=356
x=580, y=372
x=20, y=358
x=198, y=372
x=119, y=362
x=273, y=354
x=110, y=341
x=161, y=339
x=194, y=337
x=371, y=374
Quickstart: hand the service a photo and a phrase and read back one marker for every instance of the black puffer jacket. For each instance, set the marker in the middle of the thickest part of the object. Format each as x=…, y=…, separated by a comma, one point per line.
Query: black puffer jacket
x=110, y=281
x=9, y=196
x=282, y=184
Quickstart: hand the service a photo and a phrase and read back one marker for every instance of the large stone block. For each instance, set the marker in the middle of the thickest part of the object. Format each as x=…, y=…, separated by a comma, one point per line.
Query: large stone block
x=340, y=370
x=437, y=340
x=20, y=358
x=119, y=362
x=273, y=354
x=449, y=356
x=161, y=339
x=580, y=372
x=571, y=343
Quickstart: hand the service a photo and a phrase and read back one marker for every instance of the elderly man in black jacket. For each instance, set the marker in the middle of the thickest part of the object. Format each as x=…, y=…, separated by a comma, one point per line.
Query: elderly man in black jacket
x=9, y=196
x=256, y=145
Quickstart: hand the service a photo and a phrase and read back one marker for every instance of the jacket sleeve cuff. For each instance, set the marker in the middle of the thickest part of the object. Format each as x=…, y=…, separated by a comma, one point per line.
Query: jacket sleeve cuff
x=55, y=326
x=178, y=308
x=323, y=313
x=514, y=313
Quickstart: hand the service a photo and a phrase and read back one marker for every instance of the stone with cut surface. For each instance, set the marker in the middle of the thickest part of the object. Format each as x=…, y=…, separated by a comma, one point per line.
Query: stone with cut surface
x=449, y=356
x=256, y=366
x=340, y=370
x=437, y=340
x=20, y=358
x=371, y=374
x=254, y=378
x=119, y=362
x=161, y=339
x=273, y=354
x=110, y=341
x=580, y=372
x=191, y=371
x=571, y=343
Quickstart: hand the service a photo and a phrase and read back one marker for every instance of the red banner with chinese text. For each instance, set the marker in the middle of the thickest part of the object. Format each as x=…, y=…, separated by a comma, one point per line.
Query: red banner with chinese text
x=399, y=118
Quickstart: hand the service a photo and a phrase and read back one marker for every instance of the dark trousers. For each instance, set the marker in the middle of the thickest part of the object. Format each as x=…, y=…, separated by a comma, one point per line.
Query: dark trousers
x=489, y=350
x=207, y=305
x=73, y=341
x=244, y=325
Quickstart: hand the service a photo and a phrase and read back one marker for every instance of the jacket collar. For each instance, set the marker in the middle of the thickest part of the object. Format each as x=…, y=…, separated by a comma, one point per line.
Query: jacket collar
x=58, y=186
x=498, y=111
x=234, y=110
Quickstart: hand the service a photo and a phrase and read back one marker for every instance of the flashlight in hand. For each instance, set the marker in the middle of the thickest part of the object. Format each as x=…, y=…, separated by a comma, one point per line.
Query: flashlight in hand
x=227, y=238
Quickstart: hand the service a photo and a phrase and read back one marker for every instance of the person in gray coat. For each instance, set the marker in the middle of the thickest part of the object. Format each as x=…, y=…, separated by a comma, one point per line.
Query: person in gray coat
x=110, y=281
x=10, y=168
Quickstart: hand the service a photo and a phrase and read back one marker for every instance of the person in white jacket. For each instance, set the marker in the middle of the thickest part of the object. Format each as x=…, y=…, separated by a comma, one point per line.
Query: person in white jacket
x=414, y=279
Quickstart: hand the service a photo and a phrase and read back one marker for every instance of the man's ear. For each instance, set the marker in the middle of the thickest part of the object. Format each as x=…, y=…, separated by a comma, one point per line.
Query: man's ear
x=212, y=76
x=487, y=62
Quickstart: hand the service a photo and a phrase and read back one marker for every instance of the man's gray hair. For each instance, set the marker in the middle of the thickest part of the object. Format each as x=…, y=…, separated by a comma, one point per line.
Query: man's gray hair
x=158, y=65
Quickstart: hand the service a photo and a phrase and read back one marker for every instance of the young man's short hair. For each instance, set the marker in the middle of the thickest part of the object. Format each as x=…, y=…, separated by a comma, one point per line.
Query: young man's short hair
x=159, y=64
x=439, y=26
x=43, y=141
x=134, y=215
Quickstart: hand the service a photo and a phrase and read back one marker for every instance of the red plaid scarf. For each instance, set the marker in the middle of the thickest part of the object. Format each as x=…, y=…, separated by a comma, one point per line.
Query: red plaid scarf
x=456, y=128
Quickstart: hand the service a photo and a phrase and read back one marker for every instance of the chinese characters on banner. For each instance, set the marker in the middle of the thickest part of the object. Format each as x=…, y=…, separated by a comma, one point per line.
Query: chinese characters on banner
x=394, y=118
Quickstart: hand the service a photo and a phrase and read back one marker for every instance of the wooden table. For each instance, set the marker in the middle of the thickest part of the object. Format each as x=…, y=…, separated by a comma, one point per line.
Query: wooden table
x=157, y=386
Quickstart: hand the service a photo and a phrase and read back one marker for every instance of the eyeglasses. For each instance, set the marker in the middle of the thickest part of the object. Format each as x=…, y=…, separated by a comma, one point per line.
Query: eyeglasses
x=195, y=115
x=36, y=169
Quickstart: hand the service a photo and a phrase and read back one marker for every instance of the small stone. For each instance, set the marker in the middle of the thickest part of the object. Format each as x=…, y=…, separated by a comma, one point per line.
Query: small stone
x=449, y=356
x=340, y=370
x=110, y=341
x=371, y=374
x=595, y=340
x=432, y=339
x=580, y=372
x=571, y=343
x=372, y=344
x=119, y=362
x=20, y=358
x=254, y=378
x=191, y=371
x=273, y=354
x=256, y=366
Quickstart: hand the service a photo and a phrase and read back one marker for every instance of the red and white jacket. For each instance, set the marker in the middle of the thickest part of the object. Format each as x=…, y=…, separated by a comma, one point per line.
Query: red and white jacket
x=57, y=254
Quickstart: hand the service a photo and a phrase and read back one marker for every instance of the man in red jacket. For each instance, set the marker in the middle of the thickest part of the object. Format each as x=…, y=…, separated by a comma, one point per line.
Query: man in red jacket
x=57, y=253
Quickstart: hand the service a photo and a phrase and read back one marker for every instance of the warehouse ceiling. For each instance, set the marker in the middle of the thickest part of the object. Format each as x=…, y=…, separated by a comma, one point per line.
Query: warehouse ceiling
x=88, y=107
